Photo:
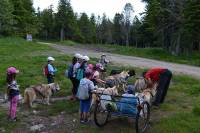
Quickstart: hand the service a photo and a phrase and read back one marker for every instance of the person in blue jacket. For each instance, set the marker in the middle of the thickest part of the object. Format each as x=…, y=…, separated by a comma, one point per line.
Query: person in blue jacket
x=51, y=70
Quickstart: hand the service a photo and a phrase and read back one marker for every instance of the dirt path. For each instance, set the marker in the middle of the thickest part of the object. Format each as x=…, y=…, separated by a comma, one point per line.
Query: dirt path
x=131, y=60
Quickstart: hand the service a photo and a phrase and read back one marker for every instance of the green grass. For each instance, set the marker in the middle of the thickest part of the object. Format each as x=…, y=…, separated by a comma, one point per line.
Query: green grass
x=30, y=58
x=180, y=113
x=152, y=53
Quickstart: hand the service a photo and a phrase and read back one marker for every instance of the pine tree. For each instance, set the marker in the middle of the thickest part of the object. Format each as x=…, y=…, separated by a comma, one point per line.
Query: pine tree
x=128, y=12
x=47, y=21
x=86, y=29
x=117, y=28
x=24, y=16
x=66, y=20
x=6, y=18
x=93, y=27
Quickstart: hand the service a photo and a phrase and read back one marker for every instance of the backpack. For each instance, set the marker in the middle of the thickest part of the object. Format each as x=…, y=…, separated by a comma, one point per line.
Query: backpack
x=69, y=72
x=45, y=70
x=80, y=74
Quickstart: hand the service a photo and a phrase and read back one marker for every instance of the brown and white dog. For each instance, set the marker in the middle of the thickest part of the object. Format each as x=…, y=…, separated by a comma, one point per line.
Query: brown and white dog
x=145, y=91
x=43, y=90
x=103, y=91
x=140, y=84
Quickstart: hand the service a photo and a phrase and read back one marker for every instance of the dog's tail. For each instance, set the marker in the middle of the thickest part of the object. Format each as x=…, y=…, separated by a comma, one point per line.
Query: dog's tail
x=26, y=97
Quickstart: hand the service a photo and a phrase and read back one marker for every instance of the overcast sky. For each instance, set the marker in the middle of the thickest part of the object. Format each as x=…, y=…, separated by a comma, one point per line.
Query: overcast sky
x=98, y=7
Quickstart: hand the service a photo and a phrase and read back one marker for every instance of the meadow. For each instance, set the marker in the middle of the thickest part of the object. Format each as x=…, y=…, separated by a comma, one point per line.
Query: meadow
x=180, y=113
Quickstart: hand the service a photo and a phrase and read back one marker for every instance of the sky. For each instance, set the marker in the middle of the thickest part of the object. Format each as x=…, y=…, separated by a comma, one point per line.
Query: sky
x=98, y=7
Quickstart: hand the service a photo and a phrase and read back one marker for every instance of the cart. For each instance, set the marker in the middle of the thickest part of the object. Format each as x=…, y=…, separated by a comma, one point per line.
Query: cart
x=108, y=106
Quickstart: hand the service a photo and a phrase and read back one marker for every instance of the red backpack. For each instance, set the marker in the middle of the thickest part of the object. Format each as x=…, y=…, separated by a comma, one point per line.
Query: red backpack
x=45, y=70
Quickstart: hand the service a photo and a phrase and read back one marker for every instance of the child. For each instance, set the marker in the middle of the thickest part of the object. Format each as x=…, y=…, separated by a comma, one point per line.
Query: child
x=85, y=87
x=51, y=70
x=72, y=75
x=13, y=92
x=103, y=60
x=96, y=75
x=81, y=70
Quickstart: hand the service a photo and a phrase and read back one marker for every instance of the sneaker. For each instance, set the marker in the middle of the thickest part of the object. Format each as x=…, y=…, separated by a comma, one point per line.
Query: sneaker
x=86, y=121
x=12, y=120
x=82, y=121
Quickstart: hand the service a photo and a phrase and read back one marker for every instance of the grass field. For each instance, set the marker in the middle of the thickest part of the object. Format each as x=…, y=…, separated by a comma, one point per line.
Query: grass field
x=152, y=53
x=179, y=114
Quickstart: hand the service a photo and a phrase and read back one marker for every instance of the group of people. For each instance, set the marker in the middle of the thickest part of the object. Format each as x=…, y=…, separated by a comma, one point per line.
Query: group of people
x=12, y=91
x=84, y=78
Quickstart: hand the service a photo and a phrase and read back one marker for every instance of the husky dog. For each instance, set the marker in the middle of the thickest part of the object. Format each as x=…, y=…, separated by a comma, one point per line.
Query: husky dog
x=44, y=90
x=140, y=84
x=118, y=80
x=146, y=92
x=105, y=92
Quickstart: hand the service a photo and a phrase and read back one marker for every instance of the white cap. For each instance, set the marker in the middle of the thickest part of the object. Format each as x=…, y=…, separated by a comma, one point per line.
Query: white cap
x=81, y=57
x=50, y=58
x=86, y=58
x=77, y=55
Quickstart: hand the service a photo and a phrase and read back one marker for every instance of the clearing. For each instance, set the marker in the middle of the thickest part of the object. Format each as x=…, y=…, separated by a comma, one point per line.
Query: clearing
x=180, y=113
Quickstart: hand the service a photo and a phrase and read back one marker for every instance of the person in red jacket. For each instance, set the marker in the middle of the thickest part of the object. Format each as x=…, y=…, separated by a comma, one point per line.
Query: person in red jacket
x=162, y=76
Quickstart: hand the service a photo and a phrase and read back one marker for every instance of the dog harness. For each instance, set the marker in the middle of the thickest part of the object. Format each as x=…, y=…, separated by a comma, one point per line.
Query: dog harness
x=38, y=91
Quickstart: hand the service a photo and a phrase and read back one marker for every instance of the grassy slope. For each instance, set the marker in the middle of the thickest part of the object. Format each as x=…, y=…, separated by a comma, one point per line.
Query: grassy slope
x=180, y=113
x=152, y=53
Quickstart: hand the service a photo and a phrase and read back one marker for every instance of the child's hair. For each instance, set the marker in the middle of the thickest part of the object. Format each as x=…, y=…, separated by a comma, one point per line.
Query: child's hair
x=10, y=78
x=87, y=74
x=74, y=60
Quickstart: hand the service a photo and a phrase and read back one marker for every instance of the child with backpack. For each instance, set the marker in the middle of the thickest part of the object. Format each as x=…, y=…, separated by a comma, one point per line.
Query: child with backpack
x=81, y=70
x=50, y=70
x=84, y=95
x=72, y=74
x=13, y=92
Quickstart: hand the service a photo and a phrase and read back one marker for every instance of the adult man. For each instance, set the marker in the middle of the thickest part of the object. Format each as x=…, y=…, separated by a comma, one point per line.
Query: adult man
x=161, y=76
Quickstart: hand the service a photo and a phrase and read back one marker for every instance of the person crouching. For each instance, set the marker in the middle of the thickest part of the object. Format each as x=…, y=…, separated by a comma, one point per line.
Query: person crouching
x=162, y=77
x=84, y=95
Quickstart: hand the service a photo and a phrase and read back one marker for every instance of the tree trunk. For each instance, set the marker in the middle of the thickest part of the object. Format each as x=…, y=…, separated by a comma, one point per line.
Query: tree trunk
x=136, y=42
x=46, y=35
x=166, y=40
x=127, y=40
x=178, y=44
x=199, y=45
x=62, y=34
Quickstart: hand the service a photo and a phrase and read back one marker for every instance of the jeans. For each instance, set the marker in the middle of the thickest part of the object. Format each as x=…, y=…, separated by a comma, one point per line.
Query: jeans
x=50, y=79
x=75, y=84
x=163, y=86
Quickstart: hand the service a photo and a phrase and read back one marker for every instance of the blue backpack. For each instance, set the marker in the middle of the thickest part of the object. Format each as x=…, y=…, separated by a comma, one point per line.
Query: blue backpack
x=70, y=71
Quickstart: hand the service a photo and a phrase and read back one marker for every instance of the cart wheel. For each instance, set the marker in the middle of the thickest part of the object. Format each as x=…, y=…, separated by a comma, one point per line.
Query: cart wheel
x=142, y=117
x=100, y=115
